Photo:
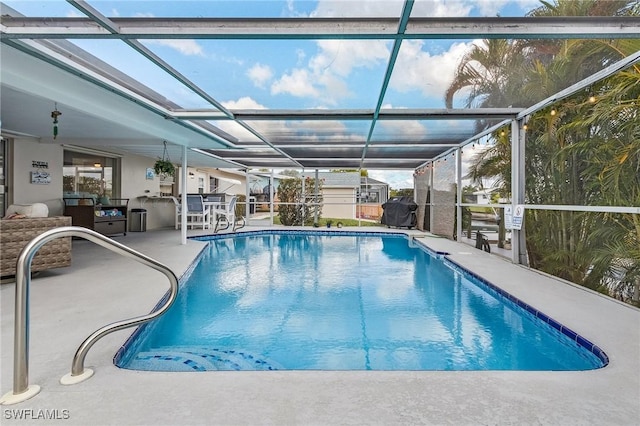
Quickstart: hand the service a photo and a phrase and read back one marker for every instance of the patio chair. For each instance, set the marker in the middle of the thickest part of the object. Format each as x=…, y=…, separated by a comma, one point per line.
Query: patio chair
x=197, y=211
x=228, y=214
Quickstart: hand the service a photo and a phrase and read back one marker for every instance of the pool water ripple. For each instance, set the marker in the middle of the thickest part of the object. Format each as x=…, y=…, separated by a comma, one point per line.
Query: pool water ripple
x=312, y=301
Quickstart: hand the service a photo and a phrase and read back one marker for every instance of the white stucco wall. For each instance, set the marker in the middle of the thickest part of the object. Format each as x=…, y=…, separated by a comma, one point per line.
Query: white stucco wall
x=142, y=193
x=21, y=190
x=339, y=203
x=229, y=188
x=193, y=176
x=160, y=212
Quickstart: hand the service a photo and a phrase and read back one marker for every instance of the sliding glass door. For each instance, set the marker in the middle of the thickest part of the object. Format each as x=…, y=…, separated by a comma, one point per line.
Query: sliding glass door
x=90, y=175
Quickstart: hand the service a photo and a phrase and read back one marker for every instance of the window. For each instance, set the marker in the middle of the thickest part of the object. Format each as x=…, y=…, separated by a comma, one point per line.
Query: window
x=86, y=174
x=200, y=185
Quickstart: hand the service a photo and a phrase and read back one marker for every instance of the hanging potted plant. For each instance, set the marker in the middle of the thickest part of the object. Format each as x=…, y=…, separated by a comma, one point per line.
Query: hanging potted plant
x=163, y=166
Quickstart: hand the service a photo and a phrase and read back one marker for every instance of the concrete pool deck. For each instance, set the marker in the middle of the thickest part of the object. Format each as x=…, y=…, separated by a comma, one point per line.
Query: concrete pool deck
x=100, y=287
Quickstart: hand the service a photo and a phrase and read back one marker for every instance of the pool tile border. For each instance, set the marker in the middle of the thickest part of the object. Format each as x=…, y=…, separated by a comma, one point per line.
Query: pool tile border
x=137, y=335
x=315, y=232
x=572, y=335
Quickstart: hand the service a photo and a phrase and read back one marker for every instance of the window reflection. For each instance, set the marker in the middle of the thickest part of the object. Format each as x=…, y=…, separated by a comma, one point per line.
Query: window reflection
x=89, y=175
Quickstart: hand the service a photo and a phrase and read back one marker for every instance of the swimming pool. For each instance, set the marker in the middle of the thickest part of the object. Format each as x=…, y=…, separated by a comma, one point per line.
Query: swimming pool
x=345, y=301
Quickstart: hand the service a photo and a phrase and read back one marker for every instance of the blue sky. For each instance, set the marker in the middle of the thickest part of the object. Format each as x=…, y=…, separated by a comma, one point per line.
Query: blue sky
x=294, y=74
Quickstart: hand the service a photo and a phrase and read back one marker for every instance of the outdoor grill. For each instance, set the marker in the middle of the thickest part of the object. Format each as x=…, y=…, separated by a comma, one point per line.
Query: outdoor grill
x=399, y=212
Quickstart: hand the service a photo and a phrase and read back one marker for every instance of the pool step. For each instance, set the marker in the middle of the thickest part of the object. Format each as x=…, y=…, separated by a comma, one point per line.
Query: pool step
x=200, y=359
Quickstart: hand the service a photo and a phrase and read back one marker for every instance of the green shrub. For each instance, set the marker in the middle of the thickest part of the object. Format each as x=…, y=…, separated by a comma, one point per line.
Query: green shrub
x=298, y=209
x=241, y=207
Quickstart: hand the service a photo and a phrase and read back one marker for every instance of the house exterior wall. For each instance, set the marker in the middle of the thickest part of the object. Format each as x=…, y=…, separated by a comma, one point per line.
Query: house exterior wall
x=339, y=203
x=134, y=184
x=23, y=152
x=483, y=199
x=160, y=212
x=197, y=181
x=226, y=187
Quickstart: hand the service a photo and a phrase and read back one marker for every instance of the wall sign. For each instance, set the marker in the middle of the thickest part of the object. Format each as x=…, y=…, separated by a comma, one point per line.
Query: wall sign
x=518, y=216
x=40, y=178
x=150, y=174
x=40, y=164
x=508, y=217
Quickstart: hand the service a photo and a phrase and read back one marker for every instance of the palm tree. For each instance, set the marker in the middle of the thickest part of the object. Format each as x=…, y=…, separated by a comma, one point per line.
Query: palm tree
x=486, y=72
x=557, y=172
x=613, y=157
x=566, y=174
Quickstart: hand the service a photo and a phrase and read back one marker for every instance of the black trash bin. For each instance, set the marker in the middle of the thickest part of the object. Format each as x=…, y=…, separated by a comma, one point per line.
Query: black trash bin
x=138, y=222
x=399, y=212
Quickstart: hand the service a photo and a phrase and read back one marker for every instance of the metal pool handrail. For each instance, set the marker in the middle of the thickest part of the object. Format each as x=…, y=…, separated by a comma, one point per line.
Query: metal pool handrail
x=21, y=389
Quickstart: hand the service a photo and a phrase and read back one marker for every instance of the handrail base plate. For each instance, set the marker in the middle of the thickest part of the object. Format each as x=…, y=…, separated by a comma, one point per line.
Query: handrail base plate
x=10, y=398
x=68, y=379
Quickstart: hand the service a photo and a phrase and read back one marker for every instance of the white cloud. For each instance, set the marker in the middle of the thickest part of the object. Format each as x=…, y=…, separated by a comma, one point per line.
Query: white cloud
x=324, y=77
x=528, y=5
x=397, y=179
x=442, y=8
x=297, y=83
x=260, y=74
x=490, y=7
x=332, y=88
x=328, y=131
x=341, y=56
x=421, y=8
x=392, y=8
x=290, y=6
x=300, y=54
x=409, y=128
x=319, y=126
x=186, y=47
x=419, y=70
x=233, y=128
x=245, y=102
x=343, y=8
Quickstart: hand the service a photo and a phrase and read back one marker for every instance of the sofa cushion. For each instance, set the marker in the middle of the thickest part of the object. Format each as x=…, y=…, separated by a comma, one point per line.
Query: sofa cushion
x=55, y=206
x=28, y=210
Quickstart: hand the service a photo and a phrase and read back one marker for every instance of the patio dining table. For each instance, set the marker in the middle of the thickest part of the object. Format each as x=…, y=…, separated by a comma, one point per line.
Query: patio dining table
x=212, y=206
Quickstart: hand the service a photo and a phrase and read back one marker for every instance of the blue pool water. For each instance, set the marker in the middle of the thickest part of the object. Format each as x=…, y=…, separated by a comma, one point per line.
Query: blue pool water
x=305, y=301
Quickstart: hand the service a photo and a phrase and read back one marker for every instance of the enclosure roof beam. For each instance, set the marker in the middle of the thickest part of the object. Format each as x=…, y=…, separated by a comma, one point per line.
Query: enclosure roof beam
x=323, y=28
x=350, y=114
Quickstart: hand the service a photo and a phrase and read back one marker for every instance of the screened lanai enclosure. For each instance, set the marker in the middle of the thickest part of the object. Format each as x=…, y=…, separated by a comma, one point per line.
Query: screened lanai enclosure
x=516, y=121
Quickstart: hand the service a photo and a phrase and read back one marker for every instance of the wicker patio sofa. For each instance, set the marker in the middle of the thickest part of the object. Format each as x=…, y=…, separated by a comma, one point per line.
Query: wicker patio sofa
x=16, y=233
